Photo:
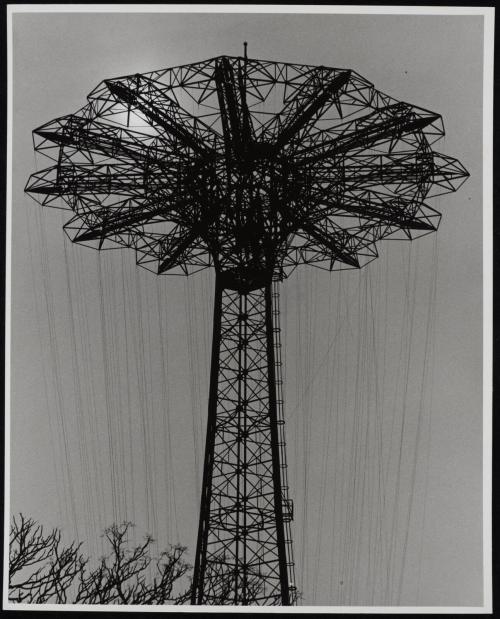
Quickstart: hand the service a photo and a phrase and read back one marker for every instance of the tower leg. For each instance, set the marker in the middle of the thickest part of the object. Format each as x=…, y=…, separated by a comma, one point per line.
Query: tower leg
x=241, y=549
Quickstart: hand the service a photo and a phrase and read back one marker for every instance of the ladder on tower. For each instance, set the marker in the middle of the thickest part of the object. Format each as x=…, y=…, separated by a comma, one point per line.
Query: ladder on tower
x=287, y=503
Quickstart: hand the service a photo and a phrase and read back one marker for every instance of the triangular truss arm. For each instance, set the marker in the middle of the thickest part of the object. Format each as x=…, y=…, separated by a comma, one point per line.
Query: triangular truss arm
x=308, y=103
x=235, y=116
x=164, y=112
x=365, y=132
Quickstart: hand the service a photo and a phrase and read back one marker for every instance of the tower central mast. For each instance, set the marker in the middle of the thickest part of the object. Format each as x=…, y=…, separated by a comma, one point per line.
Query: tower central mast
x=241, y=555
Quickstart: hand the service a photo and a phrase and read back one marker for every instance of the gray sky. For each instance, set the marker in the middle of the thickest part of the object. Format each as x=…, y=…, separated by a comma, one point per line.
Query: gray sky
x=383, y=376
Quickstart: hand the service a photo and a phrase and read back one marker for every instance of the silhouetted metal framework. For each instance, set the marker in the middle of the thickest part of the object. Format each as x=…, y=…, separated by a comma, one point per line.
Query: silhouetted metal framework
x=252, y=167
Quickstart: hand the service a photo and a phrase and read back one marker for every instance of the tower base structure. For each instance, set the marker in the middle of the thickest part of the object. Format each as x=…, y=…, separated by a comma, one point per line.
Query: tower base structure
x=243, y=554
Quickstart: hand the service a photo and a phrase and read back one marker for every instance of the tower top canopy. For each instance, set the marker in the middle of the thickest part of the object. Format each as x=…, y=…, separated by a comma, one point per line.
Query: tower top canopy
x=250, y=166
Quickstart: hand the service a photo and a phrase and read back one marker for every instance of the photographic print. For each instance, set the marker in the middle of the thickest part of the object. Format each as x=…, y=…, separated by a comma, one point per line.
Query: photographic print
x=275, y=391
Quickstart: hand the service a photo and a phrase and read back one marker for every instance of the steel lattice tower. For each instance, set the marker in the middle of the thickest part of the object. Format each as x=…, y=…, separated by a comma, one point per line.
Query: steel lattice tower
x=251, y=167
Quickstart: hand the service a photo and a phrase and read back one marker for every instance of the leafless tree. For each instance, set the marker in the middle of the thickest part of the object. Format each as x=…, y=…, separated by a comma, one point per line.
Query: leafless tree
x=41, y=569
x=122, y=576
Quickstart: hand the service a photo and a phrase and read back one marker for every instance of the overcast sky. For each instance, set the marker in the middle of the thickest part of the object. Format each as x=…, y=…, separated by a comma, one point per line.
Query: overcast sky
x=383, y=371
